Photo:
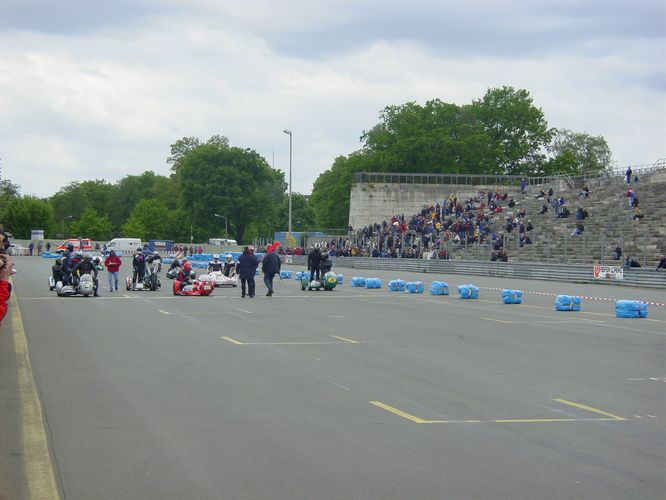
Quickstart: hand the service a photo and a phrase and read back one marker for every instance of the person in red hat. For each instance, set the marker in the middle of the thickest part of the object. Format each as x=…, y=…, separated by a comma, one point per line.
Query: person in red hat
x=270, y=266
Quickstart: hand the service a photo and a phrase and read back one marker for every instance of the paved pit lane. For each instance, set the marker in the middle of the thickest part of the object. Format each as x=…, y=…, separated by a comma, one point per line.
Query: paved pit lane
x=349, y=394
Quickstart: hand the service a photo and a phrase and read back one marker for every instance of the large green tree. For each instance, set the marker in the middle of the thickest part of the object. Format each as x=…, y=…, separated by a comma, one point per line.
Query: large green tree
x=517, y=129
x=24, y=213
x=233, y=182
x=75, y=197
x=150, y=219
x=8, y=191
x=579, y=153
x=92, y=225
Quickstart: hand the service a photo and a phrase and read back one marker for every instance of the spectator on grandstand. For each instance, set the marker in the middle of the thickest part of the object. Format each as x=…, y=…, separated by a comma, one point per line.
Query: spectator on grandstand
x=638, y=215
x=634, y=202
x=511, y=203
x=523, y=186
x=541, y=195
x=564, y=213
x=521, y=213
x=578, y=228
x=628, y=175
x=581, y=214
x=556, y=207
x=629, y=262
x=631, y=195
x=529, y=226
x=544, y=209
x=585, y=192
x=550, y=194
x=617, y=253
x=662, y=264
x=502, y=255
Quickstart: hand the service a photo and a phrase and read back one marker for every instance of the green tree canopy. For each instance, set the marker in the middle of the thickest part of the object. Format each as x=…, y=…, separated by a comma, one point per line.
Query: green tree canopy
x=578, y=153
x=150, y=219
x=234, y=182
x=8, y=191
x=75, y=197
x=92, y=225
x=25, y=213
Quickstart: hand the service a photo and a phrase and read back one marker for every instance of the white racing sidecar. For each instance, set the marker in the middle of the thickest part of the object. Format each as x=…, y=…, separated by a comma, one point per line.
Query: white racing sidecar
x=219, y=279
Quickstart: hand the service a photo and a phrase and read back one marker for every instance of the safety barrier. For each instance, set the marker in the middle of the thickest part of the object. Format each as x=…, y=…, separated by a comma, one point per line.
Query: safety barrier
x=521, y=270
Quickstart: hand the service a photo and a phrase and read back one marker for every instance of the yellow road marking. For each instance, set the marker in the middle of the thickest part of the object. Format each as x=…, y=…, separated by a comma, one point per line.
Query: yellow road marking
x=233, y=341
x=589, y=408
x=345, y=339
x=497, y=320
x=313, y=342
x=40, y=476
x=400, y=413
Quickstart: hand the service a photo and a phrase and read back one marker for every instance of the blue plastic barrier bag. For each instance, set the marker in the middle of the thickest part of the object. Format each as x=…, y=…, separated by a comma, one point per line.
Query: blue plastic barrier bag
x=439, y=288
x=414, y=287
x=285, y=275
x=512, y=296
x=373, y=283
x=567, y=303
x=299, y=275
x=468, y=291
x=341, y=279
x=396, y=285
x=630, y=309
x=358, y=281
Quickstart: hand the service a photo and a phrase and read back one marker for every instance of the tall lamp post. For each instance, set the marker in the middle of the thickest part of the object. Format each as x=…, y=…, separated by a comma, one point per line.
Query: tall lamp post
x=226, y=233
x=62, y=228
x=288, y=132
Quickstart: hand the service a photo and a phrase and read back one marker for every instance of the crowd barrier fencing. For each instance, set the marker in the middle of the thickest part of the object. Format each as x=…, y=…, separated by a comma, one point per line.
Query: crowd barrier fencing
x=571, y=273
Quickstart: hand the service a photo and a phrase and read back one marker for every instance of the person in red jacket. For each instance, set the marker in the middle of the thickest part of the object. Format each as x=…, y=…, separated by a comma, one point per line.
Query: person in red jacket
x=5, y=286
x=113, y=263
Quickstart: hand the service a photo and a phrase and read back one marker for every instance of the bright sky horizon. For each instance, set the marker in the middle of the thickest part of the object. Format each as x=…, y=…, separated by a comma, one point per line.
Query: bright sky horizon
x=99, y=90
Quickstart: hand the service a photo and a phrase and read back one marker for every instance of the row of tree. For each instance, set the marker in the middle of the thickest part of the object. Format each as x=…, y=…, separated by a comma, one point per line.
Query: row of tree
x=501, y=133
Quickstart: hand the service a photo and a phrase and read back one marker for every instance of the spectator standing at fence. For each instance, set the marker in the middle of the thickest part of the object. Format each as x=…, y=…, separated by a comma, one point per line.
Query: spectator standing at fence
x=48, y=247
x=523, y=186
x=31, y=247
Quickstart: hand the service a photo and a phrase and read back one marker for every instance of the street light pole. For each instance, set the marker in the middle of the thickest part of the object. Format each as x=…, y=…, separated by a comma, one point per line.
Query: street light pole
x=288, y=132
x=62, y=228
x=226, y=225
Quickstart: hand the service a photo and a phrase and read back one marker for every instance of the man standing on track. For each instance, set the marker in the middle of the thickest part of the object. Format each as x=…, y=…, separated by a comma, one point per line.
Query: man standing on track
x=247, y=267
x=270, y=265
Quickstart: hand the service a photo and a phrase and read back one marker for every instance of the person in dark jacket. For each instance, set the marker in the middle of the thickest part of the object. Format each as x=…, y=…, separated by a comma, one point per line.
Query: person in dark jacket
x=270, y=265
x=247, y=267
x=313, y=262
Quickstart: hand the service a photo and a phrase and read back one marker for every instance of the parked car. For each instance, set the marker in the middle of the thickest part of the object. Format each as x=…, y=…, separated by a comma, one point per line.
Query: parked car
x=85, y=243
x=16, y=249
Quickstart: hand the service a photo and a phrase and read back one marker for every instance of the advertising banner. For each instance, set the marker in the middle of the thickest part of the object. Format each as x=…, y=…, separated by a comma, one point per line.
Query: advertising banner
x=608, y=272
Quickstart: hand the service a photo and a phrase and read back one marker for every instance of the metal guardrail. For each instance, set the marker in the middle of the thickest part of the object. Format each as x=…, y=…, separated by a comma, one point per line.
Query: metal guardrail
x=497, y=180
x=648, y=278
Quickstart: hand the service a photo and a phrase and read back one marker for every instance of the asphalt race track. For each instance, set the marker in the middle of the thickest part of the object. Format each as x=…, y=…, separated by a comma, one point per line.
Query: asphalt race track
x=349, y=394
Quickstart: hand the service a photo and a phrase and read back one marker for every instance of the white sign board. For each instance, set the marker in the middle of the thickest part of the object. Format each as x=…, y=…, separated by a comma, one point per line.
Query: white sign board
x=608, y=272
x=36, y=234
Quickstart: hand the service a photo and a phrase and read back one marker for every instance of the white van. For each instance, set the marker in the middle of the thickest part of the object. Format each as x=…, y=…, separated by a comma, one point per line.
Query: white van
x=221, y=241
x=125, y=245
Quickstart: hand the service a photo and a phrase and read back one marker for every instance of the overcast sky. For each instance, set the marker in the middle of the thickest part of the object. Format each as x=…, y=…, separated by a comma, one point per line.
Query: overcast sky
x=100, y=89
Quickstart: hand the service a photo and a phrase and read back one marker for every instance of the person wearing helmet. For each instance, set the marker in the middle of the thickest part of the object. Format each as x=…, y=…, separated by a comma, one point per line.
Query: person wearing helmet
x=56, y=270
x=113, y=263
x=229, y=266
x=185, y=271
x=138, y=266
x=86, y=266
x=67, y=265
x=325, y=264
x=215, y=264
